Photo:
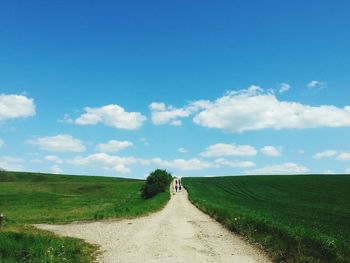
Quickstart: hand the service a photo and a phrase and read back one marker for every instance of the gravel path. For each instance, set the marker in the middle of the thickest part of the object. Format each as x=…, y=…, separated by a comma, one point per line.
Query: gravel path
x=178, y=233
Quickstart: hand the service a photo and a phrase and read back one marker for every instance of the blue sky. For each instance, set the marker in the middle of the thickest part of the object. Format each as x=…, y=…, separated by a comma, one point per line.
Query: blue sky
x=120, y=88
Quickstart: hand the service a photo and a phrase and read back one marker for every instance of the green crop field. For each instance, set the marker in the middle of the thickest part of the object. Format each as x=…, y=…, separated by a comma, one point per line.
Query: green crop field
x=296, y=218
x=28, y=198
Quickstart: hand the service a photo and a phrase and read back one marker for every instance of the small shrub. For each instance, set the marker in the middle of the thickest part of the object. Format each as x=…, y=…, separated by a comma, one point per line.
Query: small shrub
x=158, y=181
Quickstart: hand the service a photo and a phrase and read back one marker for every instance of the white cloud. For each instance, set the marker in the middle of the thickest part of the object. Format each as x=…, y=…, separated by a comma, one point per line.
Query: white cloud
x=163, y=114
x=120, y=168
x=182, y=150
x=176, y=123
x=59, y=143
x=103, y=158
x=144, y=141
x=113, y=146
x=284, y=87
x=1, y=142
x=341, y=156
x=197, y=105
x=235, y=164
x=11, y=163
x=271, y=151
x=112, y=115
x=301, y=151
x=109, y=162
x=16, y=106
x=254, y=109
x=344, y=156
x=279, y=169
x=53, y=158
x=55, y=169
x=324, y=154
x=66, y=119
x=222, y=149
x=157, y=106
x=182, y=164
x=316, y=84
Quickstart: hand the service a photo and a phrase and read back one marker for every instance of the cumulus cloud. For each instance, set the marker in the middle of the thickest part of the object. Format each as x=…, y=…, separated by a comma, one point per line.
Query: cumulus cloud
x=255, y=109
x=55, y=169
x=59, y=143
x=338, y=155
x=11, y=163
x=111, y=115
x=163, y=114
x=121, y=164
x=16, y=106
x=235, y=164
x=324, y=154
x=176, y=123
x=270, y=151
x=252, y=109
x=316, y=84
x=284, y=87
x=109, y=162
x=53, y=158
x=144, y=141
x=279, y=169
x=103, y=158
x=182, y=150
x=223, y=149
x=157, y=106
x=66, y=119
x=182, y=164
x=120, y=168
x=344, y=156
x=113, y=146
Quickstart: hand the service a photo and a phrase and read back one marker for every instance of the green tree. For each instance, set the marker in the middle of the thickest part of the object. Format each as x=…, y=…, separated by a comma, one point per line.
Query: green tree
x=157, y=181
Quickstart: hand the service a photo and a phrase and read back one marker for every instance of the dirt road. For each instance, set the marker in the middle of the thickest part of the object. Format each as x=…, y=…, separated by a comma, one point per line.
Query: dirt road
x=178, y=233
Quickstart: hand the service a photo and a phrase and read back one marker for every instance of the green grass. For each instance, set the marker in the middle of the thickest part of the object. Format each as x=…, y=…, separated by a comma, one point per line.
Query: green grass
x=297, y=218
x=27, y=244
x=29, y=198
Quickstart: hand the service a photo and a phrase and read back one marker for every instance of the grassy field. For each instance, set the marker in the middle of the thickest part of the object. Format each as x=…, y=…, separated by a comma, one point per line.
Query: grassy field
x=27, y=244
x=297, y=218
x=28, y=198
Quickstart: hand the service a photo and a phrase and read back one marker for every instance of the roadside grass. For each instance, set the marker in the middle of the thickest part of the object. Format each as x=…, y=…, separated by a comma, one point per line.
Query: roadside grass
x=27, y=244
x=303, y=218
x=30, y=198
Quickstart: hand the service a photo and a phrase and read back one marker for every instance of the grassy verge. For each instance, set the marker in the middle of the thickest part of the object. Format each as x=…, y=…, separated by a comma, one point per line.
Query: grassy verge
x=29, y=198
x=27, y=244
x=297, y=218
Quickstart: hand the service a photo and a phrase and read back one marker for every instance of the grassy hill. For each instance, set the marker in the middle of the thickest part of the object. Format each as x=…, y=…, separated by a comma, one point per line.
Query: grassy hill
x=298, y=218
x=27, y=198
